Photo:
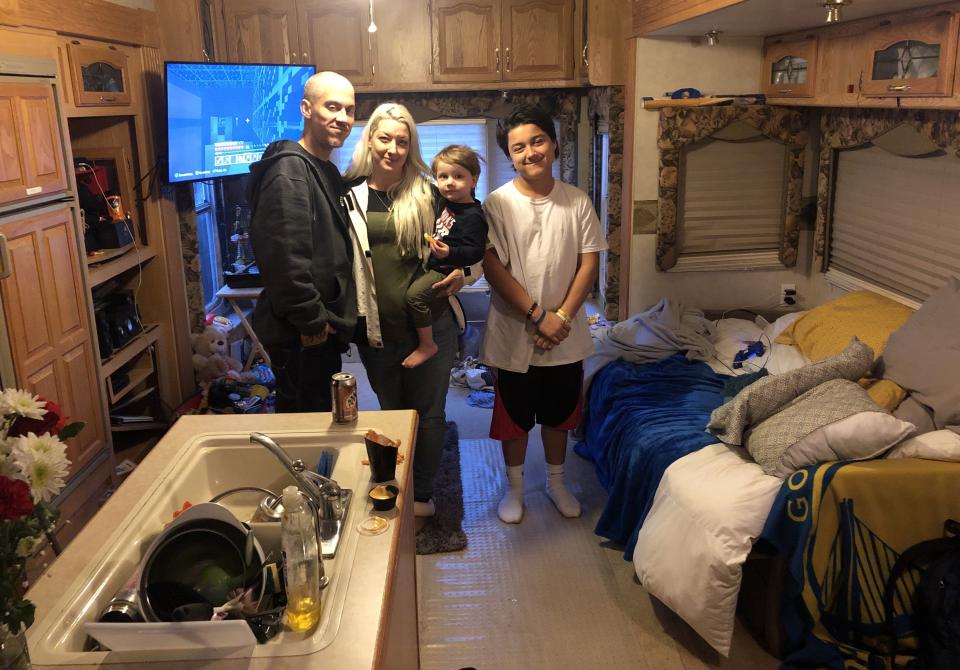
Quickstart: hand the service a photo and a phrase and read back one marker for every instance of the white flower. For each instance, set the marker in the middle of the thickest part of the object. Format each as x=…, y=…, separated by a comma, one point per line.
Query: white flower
x=41, y=444
x=45, y=471
x=23, y=403
x=8, y=464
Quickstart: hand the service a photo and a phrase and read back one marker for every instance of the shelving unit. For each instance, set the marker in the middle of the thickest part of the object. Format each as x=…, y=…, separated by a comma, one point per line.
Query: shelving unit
x=111, y=265
x=130, y=351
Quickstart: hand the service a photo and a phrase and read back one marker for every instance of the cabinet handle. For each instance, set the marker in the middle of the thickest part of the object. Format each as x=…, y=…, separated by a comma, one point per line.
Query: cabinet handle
x=508, y=59
x=108, y=98
x=293, y=56
x=785, y=90
x=4, y=257
x=496, y=53
x=583, y=55
x=898, y=87
x=304, y=61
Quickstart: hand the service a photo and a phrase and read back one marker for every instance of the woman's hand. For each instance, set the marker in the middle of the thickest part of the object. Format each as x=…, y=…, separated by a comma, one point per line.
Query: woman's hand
x=553, y=328
x=450, y=284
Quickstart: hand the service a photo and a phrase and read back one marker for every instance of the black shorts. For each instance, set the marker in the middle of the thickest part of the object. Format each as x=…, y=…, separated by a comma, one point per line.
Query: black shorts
x=551, y=396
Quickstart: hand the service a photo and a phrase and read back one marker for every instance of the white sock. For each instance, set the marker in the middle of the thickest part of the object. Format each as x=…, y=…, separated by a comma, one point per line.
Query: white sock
x=568, y=505
x=510, y=509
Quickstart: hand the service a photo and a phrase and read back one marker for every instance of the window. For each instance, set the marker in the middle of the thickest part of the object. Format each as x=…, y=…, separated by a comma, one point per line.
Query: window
x=478, y=134
x=894, y=223
x=732, y=204
x=208, y=241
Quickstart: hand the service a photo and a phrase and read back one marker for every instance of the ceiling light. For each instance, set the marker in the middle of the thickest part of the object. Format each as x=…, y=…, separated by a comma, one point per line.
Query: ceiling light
x=833, y=8
x=713, y=38
x=372, y=28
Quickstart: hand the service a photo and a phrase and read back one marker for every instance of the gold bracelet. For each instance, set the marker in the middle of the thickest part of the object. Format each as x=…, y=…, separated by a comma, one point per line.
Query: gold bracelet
x=563, y=315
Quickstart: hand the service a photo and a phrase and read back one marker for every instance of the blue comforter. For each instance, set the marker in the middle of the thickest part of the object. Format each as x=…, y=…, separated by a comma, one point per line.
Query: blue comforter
x=640, y=419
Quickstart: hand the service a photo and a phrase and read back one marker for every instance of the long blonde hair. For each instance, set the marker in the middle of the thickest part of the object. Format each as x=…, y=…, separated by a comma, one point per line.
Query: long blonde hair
x=412, y=197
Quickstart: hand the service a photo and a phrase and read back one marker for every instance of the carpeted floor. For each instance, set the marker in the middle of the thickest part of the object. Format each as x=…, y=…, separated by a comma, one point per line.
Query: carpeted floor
x=443, y=532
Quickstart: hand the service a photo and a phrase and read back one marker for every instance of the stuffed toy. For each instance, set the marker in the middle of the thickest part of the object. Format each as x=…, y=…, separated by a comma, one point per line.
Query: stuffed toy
x=210, y=359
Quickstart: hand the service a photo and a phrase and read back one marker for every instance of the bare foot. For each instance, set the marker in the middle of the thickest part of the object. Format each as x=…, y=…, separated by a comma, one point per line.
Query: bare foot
x=421, y=354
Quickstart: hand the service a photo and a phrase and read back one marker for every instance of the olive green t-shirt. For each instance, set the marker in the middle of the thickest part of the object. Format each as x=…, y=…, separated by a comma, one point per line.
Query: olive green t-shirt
x=393, y=272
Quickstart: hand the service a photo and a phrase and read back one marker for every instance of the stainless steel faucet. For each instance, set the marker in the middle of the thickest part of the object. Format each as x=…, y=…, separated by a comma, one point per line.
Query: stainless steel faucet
x=326, y=497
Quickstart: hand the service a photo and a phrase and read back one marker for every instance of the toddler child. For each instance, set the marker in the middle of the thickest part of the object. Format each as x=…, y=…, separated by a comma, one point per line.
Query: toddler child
x=459, y=240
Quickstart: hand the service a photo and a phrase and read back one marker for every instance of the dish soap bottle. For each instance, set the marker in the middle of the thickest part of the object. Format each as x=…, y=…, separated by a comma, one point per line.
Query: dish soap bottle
x=303, y=564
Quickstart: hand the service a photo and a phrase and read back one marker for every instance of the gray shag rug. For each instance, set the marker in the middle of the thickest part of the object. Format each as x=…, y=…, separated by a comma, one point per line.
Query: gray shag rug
x=443, y=532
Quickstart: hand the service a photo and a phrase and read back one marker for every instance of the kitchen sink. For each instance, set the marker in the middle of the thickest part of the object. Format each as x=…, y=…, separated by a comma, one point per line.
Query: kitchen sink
x=203, y=468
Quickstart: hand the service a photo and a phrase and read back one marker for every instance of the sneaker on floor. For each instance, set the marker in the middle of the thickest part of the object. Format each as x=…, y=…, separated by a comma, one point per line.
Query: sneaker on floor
x=424, y=509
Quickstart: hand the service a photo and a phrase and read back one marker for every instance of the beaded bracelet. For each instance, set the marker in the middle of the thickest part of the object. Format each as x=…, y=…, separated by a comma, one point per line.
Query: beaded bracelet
x=539, y=320
x=532, y=309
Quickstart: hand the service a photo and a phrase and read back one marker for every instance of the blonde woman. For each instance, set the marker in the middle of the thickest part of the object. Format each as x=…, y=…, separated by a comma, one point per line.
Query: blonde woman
x=392, y=204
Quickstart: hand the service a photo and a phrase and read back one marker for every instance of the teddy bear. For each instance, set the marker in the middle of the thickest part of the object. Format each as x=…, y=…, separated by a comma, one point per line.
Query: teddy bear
x=210, y=359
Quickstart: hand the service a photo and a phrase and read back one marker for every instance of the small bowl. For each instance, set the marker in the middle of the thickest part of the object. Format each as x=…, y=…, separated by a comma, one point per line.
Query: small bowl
x=383, y=497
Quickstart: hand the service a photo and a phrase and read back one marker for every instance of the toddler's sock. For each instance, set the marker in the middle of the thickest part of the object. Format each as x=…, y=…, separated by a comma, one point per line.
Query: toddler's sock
x=510, y=509
x=568, y=505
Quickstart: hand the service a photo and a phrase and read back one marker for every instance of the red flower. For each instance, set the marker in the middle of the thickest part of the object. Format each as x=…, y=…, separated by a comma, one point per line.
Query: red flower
x=52, y=422
x=15, y=498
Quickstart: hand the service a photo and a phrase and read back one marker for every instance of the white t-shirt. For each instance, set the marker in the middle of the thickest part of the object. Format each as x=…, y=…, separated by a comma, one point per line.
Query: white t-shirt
x=538, y=241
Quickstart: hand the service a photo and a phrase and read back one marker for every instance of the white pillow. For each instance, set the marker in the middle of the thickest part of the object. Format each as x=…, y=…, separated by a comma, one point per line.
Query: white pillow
x=771, y=330
x=856, y=438
x=708, y=509
x=937, y=445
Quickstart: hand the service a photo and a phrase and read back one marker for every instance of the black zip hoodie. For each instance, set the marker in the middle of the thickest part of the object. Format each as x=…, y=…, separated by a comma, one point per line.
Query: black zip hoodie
x=301, y=242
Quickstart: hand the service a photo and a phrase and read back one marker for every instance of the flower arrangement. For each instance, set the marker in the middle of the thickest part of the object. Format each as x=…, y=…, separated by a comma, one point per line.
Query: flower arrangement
x=33, y=466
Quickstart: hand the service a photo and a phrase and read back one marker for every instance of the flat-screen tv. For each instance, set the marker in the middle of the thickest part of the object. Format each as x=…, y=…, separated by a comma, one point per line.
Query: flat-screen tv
x=221, y=116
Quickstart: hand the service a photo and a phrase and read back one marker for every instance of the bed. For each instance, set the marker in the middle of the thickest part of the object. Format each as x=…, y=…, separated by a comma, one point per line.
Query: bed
x=688, y=507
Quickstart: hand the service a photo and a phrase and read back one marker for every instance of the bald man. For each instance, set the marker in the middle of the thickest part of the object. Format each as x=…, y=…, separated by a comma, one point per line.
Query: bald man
x=307, y=312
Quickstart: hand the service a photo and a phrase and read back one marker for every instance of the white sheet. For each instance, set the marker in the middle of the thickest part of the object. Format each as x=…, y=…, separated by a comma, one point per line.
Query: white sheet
x=709, y=508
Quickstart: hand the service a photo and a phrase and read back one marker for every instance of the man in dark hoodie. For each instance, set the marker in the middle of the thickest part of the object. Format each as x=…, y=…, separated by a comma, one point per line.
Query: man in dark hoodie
x=307, y=312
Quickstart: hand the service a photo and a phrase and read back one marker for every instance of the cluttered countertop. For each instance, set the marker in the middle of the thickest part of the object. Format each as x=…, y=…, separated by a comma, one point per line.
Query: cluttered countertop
x=364, y=573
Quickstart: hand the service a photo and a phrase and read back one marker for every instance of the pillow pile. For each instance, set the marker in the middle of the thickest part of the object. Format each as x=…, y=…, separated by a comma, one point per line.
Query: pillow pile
x=923, y=356
x=826, y=329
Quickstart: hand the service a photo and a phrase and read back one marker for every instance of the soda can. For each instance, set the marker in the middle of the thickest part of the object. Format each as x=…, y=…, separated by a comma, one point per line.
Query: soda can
x=343, y=391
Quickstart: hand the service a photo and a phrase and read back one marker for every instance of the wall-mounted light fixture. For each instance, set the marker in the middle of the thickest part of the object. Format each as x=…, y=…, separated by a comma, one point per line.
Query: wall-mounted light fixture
x=713, y=38
x=372, y=28
x=834, y=8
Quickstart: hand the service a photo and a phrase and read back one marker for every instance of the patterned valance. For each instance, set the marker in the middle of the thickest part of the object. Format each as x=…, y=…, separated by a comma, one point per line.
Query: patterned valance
x=850, y=128
x=682, y=126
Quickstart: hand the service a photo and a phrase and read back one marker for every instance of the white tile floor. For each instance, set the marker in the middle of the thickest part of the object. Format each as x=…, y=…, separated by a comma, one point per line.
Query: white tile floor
x=548, y=592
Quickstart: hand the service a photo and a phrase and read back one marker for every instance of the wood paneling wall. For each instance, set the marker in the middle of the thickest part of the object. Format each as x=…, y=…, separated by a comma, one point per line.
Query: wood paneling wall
x=650, y=15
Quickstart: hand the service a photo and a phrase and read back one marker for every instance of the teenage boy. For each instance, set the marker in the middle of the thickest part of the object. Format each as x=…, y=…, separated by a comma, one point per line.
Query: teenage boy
x=307, y=312
x=542, y=262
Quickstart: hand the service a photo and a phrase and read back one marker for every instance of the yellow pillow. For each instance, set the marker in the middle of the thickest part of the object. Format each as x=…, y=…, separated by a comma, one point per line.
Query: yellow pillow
x=826, y=330
x=886, y=393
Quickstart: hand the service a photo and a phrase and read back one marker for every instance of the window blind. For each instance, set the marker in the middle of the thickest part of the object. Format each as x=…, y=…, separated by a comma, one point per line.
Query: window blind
x=732, y=196
x=895, y=220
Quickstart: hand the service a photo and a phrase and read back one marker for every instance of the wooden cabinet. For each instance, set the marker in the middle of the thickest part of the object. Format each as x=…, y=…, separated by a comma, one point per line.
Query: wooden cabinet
x=503, y=40
x=603, y=57
x=45, y=307
x=99, y=74
x=789, y=67
x=253, y=31
x=333, y=36
x=466, y=40
x=912, y=58
x=329, y=34
x=31, y=157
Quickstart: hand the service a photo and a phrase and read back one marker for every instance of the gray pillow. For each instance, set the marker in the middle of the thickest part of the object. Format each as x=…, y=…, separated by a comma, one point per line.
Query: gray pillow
x=923, y=356
x=766, y=396
x=835, y=421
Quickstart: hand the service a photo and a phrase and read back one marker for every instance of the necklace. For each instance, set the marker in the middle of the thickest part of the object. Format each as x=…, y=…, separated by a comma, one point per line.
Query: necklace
x=386, y=206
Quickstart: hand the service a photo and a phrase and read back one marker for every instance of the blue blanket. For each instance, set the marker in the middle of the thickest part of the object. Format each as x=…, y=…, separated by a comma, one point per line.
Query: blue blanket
x=640, y=419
